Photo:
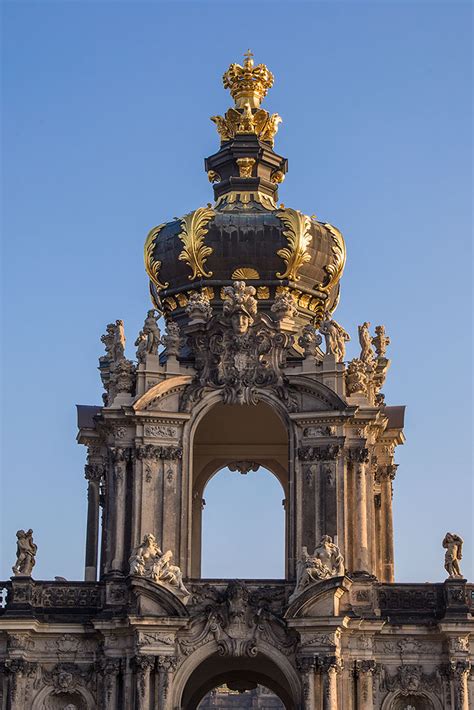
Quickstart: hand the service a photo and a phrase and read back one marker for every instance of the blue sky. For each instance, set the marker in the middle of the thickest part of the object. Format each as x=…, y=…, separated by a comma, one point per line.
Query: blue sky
x=105, y=128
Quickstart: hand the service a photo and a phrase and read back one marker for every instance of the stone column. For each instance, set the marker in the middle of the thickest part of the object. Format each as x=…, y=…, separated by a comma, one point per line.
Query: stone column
x=460, y=670
x=306, y=666
x=330, y=666
x=360, y=457
x=166, y=666
x=110, y=670
x=119, y=457
x=365, y=670
x=94, y=472
x=19, y=672
x=385, y=475
x=143, y=666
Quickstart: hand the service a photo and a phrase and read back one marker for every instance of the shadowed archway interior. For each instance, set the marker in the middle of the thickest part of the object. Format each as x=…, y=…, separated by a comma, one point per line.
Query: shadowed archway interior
x=241, y=672
x=242, y=438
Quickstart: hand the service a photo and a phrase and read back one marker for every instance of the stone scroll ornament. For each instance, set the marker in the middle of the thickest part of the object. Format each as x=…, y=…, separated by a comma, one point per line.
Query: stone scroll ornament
x=25, y=554
x=150, y=562
x=325, y=562
x=239, y=351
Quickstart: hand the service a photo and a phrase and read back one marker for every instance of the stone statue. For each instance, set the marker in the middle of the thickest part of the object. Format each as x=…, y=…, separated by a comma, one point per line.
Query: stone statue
x=325, y=562
x=114, y=341
x=25, y=554
x=335, y=337
x=150, y=562
x=356, y=377
x=240, y=305
x=453, y=546
x=381, y=341
x=172, y=339
x=149, y=337
x=365, y=340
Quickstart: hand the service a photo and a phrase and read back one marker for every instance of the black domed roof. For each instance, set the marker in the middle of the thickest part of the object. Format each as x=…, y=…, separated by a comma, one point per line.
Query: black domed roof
x=244, y=235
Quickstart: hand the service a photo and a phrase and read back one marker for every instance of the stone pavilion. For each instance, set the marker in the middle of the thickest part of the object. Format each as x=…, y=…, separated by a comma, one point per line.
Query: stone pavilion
x=250, y=371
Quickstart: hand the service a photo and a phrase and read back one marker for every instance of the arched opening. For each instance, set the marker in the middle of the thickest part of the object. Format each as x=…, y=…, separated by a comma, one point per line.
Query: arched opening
x=238, y=673
x=239, y=438
x=246, y=695
x=243, y=525
x=412, y=702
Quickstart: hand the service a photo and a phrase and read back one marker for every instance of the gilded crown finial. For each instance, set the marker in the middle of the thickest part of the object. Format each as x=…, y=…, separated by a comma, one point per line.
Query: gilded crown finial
x=248, y=84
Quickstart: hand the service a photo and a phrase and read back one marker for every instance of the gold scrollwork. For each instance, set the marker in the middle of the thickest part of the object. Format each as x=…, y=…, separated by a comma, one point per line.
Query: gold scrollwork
x=193, y=230
x=338, y=249
x=152, y=265
x=299, y=238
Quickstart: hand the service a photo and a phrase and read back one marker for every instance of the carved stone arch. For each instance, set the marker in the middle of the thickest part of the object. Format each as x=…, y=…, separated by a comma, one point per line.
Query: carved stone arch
x=198, y=471
x=424, y=700
x=269, y=667
x=48, y=692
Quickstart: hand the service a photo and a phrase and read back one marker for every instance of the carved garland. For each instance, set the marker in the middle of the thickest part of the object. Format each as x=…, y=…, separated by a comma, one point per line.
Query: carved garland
x=299, y=238
x=193, y=229
x=153, y=266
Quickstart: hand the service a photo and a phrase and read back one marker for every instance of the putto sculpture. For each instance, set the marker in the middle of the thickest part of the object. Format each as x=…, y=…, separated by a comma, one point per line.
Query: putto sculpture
x=325, y=562
x=25, y=554
x=149, y=561
x=453, y=543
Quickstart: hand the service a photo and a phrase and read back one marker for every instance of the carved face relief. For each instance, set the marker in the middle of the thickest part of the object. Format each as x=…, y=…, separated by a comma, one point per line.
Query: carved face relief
x=240, y=323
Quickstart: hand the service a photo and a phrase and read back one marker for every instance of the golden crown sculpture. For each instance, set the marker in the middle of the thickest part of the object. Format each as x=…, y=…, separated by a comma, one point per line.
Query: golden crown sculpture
x=248, y=84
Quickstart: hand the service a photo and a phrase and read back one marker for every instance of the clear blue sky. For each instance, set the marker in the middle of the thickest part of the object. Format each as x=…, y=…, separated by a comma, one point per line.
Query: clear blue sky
x=105, y=127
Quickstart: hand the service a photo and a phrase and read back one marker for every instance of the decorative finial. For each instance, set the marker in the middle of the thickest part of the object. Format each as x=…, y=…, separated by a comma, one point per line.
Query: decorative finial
x=248, y=84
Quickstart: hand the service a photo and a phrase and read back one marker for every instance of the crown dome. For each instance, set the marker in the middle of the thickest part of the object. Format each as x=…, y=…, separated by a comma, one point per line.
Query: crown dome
x=244, y=235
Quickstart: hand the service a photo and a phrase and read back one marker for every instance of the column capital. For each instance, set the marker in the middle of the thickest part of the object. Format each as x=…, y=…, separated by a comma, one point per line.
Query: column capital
x=94, y=471
x=330, y=664
x=319, y=453
x=365, y=666
x=306, y=664
x=359, y=454
x=386, y=472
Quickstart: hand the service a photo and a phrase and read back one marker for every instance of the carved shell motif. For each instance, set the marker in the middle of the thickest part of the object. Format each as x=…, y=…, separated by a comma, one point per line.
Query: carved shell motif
x=193, y=230
x=338, y=249
x=299, y=238
x=153, y=266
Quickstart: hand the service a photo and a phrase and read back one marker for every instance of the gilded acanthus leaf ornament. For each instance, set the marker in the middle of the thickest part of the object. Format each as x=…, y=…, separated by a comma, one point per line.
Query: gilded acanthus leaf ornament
x=299, y=238
x=193, y=230
x=152, y=265
x=338, y=249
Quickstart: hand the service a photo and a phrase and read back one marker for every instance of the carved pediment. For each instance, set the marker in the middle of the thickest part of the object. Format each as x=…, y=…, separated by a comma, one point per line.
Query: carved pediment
x=151, y=599
x=319, y=599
